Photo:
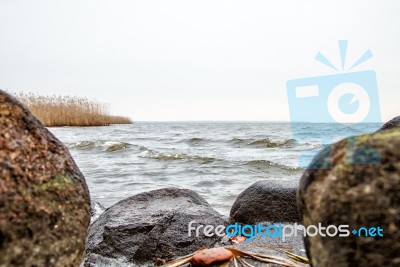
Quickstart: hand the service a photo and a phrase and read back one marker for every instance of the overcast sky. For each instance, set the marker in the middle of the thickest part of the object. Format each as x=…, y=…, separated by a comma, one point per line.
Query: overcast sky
x=193, y=60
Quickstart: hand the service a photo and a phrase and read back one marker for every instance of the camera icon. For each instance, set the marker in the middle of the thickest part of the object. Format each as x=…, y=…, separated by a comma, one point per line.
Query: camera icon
x=341, y=98
x=343, y=101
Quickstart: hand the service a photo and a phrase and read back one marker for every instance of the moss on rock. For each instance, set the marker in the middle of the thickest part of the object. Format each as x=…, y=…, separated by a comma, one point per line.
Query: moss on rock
x=361, y=189
x=44, y=200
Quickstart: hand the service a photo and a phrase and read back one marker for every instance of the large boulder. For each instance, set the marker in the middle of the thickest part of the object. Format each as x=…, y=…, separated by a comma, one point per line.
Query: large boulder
x=44, y=200
x=393, y=123
x=266, y=201
x=151, y=225
x=337, y=189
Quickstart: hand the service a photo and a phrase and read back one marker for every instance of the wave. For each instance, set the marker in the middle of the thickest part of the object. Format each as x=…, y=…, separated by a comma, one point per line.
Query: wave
x=272, y=143
x=194, y=140
x=107, y=146
x=238, y=141
x=166, y=156
x=266, y=142
x=266, y=164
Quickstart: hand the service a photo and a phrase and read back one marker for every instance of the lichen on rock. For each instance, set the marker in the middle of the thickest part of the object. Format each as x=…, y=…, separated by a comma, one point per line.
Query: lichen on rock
x=360, y=189
x=44, y=200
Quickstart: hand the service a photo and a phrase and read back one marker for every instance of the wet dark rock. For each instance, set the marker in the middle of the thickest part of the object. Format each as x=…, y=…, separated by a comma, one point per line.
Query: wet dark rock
x=44, y=200
x=151, y=225
x=358, y=195
x=266, y=201
x=393, y=123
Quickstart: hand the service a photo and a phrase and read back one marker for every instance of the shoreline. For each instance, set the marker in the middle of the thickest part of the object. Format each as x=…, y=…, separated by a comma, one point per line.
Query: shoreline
x=72, y=111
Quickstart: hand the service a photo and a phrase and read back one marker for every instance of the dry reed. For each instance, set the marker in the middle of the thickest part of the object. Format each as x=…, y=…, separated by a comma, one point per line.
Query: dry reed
x=55, y=111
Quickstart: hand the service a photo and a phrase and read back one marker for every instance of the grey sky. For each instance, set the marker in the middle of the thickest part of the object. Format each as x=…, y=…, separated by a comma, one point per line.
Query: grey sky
x=192, y=60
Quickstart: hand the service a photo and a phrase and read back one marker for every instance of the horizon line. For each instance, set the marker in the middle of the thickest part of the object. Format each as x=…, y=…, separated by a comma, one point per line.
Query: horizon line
x=268, y=121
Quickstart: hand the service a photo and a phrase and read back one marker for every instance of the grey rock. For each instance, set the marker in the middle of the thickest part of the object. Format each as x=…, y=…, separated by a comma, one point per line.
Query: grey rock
x=95, y=260
x=358, y=195
x=152, y=225
x=266, y=201
x=393, y=123
x=44, y=200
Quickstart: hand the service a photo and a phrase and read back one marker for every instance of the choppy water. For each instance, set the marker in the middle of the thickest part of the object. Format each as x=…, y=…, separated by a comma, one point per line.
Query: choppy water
x=218, y=160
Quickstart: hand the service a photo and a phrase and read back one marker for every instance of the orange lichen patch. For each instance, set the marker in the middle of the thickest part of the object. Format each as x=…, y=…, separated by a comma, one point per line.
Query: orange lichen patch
x=209, y=256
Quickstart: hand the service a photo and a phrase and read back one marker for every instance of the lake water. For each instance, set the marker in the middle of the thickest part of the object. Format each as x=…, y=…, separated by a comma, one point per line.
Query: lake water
x=218, y=160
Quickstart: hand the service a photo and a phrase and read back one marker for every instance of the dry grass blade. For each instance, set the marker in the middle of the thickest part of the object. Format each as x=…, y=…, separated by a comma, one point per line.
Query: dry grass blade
x=270, y=260
x=235, y=261
x=238, y=256
x=225, y=264
x=181, y=258
x=297, y=257
x=272, y=246
x=263, y=258
x=238, y=253
x=180, y=261
x=269, y=256
x=245, y=263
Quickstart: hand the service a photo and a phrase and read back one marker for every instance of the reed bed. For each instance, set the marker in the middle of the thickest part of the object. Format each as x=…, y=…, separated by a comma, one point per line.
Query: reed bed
x=55, y=111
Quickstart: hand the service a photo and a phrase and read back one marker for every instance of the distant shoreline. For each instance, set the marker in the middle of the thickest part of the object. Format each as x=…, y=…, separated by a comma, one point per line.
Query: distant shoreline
x=249, y=121
x=72, y=111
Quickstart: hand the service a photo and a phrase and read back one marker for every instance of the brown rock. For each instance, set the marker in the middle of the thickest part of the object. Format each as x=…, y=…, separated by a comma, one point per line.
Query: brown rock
x=209, y=256
x=44, y=200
